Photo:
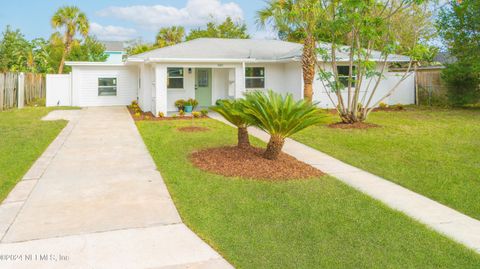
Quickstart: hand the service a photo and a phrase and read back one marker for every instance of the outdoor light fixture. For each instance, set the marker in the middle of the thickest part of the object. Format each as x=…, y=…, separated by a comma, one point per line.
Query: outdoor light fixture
x=189, y=70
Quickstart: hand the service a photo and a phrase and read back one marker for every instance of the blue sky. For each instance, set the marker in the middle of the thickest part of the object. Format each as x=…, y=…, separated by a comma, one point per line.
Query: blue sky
x=128, y=19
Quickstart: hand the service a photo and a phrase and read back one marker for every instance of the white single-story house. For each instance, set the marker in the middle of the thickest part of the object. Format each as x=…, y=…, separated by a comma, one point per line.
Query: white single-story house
x=206, y=69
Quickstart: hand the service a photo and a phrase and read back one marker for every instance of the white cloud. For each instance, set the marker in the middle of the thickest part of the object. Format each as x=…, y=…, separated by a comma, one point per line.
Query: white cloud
x=112, y=33
x=195, y=13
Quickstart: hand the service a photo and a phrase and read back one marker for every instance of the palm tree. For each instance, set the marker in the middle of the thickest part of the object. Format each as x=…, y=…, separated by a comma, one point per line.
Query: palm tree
x=294, y=17
x=280, y=116
x=71, y=20
x=232, y=111
x=170, y=36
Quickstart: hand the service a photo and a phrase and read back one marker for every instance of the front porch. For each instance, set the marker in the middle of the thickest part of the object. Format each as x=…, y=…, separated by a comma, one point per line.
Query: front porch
x=204, y=82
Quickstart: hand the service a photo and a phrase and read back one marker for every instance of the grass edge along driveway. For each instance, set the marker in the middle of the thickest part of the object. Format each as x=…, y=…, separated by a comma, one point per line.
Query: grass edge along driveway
x=434, y=152
x=317, y=223
x=23, y=138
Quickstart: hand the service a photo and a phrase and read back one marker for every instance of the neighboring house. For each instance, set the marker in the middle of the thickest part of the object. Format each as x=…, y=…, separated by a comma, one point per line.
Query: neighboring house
x=207, y=69
x=115, y=51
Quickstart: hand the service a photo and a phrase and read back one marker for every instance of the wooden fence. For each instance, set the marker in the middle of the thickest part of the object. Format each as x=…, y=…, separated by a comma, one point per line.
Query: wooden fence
x=18, y=89
x=432, y=90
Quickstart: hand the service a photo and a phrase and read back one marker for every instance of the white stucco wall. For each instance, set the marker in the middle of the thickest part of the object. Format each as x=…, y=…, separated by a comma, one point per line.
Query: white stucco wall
x=85, y=85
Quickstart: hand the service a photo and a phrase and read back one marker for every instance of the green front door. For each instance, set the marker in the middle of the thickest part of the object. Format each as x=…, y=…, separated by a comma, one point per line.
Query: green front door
x=203, y=86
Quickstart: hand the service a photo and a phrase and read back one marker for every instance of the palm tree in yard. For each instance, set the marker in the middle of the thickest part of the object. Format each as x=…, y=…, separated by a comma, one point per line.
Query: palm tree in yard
x=297, y=16
x=72, y=21
x=280, y=116
x=232, y=111
x=168, y=36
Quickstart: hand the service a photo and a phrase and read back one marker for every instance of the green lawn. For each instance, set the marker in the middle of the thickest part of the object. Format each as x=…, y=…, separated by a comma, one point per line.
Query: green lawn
x=23, y=138
x=318, y=223
x=432, y=152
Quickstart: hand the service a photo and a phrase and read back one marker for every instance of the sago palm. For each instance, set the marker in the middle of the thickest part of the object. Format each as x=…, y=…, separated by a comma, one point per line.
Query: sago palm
x=72, y=21
x=232, y=111
x=280, y=116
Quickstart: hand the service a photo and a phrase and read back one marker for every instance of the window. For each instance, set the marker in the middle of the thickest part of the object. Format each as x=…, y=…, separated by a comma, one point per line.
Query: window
x=343, y=75
x=175, y=78
x=107, y=87
x=254, y=77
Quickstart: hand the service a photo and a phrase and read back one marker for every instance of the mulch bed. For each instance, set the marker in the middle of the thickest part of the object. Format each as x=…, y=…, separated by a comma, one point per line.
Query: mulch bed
x=148, y=116
x=356, y=125
x=192, y=129
x=249, y=163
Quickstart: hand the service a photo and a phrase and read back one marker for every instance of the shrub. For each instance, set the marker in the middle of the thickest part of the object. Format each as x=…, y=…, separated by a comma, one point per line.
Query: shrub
x=174, y=115
x=161, y=114
x=180, y=104
x=134, y=103
x=204, y=112
x=398, y=106
x=382, y=105
x=181, y=113
x=462, y=83
x=280, y=116
x=137, y=114
x=196, y=114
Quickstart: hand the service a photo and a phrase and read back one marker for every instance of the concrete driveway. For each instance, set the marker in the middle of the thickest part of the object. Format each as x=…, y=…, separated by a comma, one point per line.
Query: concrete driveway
x=95, y=200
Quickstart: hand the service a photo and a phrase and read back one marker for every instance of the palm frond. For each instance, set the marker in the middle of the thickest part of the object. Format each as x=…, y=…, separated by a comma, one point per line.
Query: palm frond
x=280, y=115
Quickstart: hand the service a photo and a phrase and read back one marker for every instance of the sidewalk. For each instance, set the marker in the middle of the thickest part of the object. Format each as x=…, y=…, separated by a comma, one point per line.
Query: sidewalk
x=451, y=223
x=95, y=199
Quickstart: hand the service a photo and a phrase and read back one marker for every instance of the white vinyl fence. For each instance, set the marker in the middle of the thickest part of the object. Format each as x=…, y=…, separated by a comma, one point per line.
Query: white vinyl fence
x=59, y=90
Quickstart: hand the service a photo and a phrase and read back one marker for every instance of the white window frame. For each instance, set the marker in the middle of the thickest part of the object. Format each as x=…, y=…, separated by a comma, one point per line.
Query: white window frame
x=354, y=78
x=116, y=86
x=264, y=77
x=182, y=77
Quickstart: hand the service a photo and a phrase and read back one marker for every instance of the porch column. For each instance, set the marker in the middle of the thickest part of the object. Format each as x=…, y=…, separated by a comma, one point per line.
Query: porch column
x=161, y=89
x=239, y=80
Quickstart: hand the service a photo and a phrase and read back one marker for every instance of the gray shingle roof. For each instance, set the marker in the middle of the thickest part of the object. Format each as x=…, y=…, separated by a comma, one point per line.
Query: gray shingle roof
x=218, y=48
x=113, y=45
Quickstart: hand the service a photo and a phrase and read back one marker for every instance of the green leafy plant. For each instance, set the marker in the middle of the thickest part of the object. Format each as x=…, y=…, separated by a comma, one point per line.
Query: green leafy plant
x=398, y=106
x=232, y=111
x=382, y=105
x=204, y=112
x=181, y=113
x=196, y=114
x=280, y=116
x=174, y=116
x=161, y=114
x=462, y=84
x=180, y=104
x=137, y=114
x=192, y=102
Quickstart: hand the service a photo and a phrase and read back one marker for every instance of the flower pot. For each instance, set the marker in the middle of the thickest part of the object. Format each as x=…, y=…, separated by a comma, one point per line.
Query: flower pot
x=188, y=109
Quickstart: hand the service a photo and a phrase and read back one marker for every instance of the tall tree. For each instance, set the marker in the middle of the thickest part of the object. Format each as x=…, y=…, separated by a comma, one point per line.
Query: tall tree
x=72, y=21
x=226, y=29
x=298, y=19
x=168, y=36
x=14, y=51
x=459, y=26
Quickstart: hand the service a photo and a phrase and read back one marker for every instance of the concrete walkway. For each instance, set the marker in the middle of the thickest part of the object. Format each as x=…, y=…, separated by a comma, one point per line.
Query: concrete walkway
x=453, y=224
x=94, y=199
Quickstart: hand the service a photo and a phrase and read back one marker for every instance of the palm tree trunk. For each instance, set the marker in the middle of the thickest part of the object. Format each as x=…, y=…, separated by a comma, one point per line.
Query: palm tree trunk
x=243, y=140
x=62, y=62
x=308, y=66
x=274, y=147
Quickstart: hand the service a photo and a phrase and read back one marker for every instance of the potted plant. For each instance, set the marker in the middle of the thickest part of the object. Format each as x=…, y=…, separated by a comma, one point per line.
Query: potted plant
x=188, y=106
x=180, y=104
x=194, y=102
